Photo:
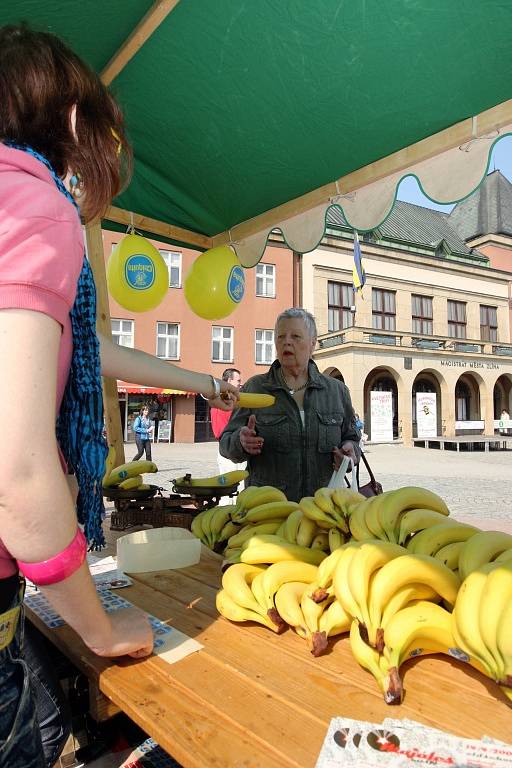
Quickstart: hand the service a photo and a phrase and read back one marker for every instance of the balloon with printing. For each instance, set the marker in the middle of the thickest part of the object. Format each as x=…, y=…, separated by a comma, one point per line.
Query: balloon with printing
x=215, y=284
x=137, y=275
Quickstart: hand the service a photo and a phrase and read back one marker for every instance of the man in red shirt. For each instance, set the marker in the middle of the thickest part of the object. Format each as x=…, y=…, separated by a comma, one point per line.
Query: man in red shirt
x=219, y=419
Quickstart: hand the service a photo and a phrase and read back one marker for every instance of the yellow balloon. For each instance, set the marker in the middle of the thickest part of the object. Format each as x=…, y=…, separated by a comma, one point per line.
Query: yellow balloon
x=137, y=275
x=215, y=284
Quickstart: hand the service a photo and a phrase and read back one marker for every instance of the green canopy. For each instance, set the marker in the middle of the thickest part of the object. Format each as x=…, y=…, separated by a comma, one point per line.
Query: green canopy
x=235, y=108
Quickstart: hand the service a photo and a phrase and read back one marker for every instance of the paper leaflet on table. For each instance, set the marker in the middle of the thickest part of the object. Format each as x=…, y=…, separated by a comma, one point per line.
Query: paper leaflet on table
x=402, y=744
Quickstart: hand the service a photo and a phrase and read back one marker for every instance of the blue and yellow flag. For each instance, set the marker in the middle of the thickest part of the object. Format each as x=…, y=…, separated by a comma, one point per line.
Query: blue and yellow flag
x=358, y=273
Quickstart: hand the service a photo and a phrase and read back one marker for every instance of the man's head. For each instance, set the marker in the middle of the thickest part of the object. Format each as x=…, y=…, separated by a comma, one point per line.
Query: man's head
x=232, y=376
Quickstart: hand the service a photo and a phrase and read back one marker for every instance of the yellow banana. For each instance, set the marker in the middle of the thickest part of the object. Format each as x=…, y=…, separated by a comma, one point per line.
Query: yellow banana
x=227, y=607
x=449, y=554
x=357, y=522
x=225, y=480
x=197, y=528
x=496, y=595
x=504, y=557
x=236, y=581
x=267, y=552
x=311, y=510
x=231, y=556
x=345, y=499
x=504, y=648
x=110, y=463
x=255, y=400
x=283, y=572
x=248, y=531
x=414, y=624
x=312, y=611
x=258, y=590
x=206, y=521
x=414, y=520
x=328, y=566
x=367, y=559
x=306, y=531
x=334, y=620
x=372, y=519
x=245, y=494
x=376, y=664
x=321, y=541
x=130, y=483
x=270, y=511
x=394, y=503
x=403, y=597
x=432, y=539
x=481, y=549
x=404, y=570
x=130, y=469
x=323, y=500
x=292, y=524
x=287, y=601
x=263, y=494
x=340, y=582
x=466, y=622
x=143, y=487
x=218, y=520
x=336, y=539
x=230, y=529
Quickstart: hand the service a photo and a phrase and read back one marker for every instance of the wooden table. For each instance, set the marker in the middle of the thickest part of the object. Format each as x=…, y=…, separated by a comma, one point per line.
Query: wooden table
x=251, y=698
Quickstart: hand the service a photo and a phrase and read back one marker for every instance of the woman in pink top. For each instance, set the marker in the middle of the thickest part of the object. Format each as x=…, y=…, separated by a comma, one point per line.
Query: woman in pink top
x=61, y=132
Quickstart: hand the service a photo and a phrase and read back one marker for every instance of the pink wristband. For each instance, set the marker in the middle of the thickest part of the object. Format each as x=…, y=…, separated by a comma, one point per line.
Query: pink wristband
x=58, y=567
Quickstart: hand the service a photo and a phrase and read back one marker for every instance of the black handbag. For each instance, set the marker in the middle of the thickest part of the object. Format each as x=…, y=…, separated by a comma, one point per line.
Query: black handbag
x=373, y=488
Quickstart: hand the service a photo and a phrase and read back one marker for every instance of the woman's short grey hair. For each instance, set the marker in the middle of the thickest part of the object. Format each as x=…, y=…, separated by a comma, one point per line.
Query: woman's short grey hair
x=307, y=317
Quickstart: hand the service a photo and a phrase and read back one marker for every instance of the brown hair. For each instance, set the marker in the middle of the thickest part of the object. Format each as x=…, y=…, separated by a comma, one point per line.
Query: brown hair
x=41, y=80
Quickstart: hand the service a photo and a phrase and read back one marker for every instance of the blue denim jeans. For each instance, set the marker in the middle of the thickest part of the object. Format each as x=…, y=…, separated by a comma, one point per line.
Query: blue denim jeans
x=34, y=717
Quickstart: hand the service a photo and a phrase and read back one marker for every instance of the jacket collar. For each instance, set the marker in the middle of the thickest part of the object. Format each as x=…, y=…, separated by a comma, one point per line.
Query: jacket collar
x=315, y=377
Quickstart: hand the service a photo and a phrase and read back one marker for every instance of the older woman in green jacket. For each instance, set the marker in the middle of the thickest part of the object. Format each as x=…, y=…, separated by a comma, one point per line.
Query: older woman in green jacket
x=293, y=444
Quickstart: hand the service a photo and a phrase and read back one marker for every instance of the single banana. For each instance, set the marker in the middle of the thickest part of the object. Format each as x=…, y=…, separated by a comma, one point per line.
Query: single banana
x=227, y=607
x=311, y=510
x=306, y=531
x=415, y=520
x=376, y=664
x=328, y=566
x=225, y=480
x=321, y=541
x=218, y=520
x=449, y=554
x=255, y=400
x=496, y=595
x=110, y=462
x=372, y=518
x=291, y=526
x=130, y=469
x=206, y=526
x=404, y=570
x=230, y=529
x=231, y=556
x=357, y=522
x=248, y=531
x=481, y=549
x=336, y=539
x=431, y=540
x=340, y=581
x=504, y=647
x=367, y=559
x=394, y=503
x=402, y=598
x=245, y=494
x=267, y=552
x=419, y=621
x=345, y=499
x=197, y=528
x=236, y=582
x=263, y=494
x=334, y=620
x=130, y=483
x=287, y=601
x=258, y=589
x=323, y=500
x=466, y=619
x=281, y=573
x=269, y=511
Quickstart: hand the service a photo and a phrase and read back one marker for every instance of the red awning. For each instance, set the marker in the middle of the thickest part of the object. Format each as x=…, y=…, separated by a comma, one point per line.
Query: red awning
x=127, y=387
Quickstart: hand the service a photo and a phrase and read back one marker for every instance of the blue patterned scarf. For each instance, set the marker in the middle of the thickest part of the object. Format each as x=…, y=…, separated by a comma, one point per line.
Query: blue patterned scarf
x=79, y=425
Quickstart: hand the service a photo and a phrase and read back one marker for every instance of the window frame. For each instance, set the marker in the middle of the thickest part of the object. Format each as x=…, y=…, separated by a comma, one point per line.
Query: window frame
x=222, y=341
x=265, y=277
x=486, y=330
x=424, y=320
x=343, y=311
x=264, y=343
x=456, y=324
x=168, y=336
x=117, y=334
x=167, y=257
x=382, y=313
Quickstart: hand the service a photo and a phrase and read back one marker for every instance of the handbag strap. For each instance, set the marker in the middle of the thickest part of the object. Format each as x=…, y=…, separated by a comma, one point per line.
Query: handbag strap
x=373, y=481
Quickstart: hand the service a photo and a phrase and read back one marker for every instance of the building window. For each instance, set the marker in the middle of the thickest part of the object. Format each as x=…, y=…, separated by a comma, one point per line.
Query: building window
x=122, y=332
x=488, y=323
x=340, y=297
x=422, y=314
x=266, y=280
x=264, y=346
x=173, y=261
x=168, y=340
x=222, y=344
x=456, y=319
x=383, y=309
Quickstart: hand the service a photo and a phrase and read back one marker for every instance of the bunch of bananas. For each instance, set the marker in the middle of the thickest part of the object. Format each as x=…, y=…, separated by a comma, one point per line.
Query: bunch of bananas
x=126, y=476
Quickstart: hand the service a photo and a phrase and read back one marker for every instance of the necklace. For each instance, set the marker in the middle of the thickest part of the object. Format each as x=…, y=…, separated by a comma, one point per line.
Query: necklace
x=296, y=389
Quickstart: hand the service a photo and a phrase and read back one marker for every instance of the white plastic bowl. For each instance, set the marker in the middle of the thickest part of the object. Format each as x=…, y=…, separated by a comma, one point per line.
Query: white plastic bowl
x=157, y=549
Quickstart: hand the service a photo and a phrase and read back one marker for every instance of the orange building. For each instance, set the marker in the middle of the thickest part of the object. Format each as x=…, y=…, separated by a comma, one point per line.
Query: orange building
x=244, y=339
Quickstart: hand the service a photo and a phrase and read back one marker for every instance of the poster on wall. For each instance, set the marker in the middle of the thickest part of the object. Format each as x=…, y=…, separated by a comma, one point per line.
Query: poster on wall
x=381, y=404
x=426, y=414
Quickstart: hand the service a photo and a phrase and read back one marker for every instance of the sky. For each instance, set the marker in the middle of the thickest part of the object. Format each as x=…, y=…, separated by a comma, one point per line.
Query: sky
x=501, y=160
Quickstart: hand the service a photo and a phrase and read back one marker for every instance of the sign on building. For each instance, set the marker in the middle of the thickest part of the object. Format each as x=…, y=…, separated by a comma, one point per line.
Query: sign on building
x=426, y=414
x=164, y=430
x=381, y=405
